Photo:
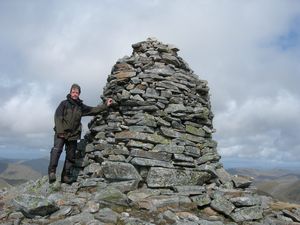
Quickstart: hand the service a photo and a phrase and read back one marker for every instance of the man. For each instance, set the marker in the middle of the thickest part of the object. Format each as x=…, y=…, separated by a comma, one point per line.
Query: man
x=67, y=129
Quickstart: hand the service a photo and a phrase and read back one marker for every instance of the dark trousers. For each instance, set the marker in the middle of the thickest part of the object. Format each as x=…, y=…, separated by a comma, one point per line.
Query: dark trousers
x=70, y=148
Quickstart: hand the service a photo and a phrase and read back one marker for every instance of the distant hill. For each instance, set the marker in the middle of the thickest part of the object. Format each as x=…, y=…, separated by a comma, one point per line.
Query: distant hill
x=3, y=166
x=15, y=172
x=283, y=185
x=40, y=165
x=3, y=183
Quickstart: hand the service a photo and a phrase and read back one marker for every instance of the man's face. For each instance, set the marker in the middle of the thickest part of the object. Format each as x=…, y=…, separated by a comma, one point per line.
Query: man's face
x=74, y=93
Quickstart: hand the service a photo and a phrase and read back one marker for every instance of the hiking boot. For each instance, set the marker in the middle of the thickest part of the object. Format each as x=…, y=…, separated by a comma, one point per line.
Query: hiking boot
x=67, y=180
x=52, y=177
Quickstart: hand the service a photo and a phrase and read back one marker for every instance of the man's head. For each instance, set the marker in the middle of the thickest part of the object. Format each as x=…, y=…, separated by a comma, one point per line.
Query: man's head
x=75, y=91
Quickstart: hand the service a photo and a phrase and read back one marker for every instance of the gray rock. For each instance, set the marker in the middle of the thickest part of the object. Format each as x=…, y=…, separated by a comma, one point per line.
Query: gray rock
x=222, y=205
x=201, y=200
x=170, y=148
x=223, y=175
x=182, y=157
x=93, y=169
x=106, y=215
x=151, y=138
x=164, y=71
x=189, y=190
x=31, y=205
x=61, y=213
x=246, y=214
x=139, y=144
x=168, y=132
x=16, y=216
x=92, y=207
x=192, y=151
x=117, y=158
x=245, y=201
x=164, y=201
x=294, y=216
x=91, y=182
x=151, y=162
x=175, y=108
x=170, y=59
x=165, y=177
x=137, y=91
x=193, y=138
x=162, y=122
x=183, y=164
x=125, y=186
x=206, y=222
x=144, y=129
x=111, y=195
x=142, y=193
x=82, y=218
x=120, y=171
x=125, y=95
x=115, y=150
x=134, y=221
x=124, y=75
x=147, y=108
x=162, y=156
x=241, y=181
x=208, y=158
x=151, y=93
x=169, y=216
x=194, y=130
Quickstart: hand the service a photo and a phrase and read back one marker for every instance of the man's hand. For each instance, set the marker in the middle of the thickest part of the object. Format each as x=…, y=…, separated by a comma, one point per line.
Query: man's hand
x=109, y=101
x=61, y=135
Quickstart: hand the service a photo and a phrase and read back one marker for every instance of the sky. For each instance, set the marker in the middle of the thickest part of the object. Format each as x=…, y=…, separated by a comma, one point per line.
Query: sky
x=247, y=50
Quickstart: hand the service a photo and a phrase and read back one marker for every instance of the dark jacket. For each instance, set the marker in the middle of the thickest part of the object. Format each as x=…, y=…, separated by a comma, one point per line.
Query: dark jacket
x=68, y=115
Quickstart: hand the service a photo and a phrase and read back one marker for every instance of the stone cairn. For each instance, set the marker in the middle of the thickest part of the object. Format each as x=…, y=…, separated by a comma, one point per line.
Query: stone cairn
x=159, y=133
x=150, y=159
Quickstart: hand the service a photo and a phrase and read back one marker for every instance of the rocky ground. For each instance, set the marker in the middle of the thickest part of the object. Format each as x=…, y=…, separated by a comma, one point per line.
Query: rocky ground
x=95, y=201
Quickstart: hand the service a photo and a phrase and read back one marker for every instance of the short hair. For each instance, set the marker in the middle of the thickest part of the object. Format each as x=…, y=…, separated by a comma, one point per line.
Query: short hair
x=75, y=86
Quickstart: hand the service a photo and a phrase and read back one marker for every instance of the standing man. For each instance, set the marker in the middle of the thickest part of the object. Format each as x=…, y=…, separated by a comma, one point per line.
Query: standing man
x=67, y=129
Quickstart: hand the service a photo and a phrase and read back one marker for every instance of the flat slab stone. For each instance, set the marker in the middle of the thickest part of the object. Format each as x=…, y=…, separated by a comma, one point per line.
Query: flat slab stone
x=295, y=217
x=222, y=205
x=168, y=148
x=247, y=214
x=150, y=162
x=245, y=201
x=202, y=199
x=120, y=171
x=31, y=205
x=166, y=177
x=162, y=156
x=145, y=137
x=241, y=181
x=189, y=190
x=123, y=75
x=161, y=201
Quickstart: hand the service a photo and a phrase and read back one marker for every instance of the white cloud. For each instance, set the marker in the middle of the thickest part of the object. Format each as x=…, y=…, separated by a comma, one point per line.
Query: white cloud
x=236, y=45
x=28, y=112
x=260, y=127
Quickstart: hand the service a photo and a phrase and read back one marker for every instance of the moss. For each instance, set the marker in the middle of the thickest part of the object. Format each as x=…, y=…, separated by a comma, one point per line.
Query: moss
x=193, y=130
x=159, y=139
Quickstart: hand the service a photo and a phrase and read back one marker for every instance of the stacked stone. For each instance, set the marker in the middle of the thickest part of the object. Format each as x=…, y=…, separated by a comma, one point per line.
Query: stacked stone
x=159, y=130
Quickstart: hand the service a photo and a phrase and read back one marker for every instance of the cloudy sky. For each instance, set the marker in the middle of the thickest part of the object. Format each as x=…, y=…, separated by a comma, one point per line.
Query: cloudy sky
x=248, y=51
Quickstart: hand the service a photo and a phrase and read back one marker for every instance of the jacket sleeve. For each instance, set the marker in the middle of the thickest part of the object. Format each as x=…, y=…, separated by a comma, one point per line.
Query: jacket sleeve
x=58, y=118
x=91, y=111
